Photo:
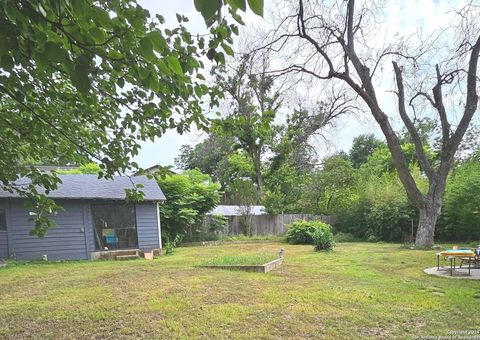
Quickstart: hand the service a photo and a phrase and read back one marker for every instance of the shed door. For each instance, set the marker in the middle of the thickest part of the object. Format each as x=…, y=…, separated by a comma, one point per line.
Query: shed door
x=114, y=226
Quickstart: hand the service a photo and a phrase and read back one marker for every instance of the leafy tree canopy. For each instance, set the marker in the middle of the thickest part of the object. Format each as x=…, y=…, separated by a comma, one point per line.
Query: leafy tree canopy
x=190, y=196
x=87, y=80
x=362, y=147
x=209, y=156
x=381, y=161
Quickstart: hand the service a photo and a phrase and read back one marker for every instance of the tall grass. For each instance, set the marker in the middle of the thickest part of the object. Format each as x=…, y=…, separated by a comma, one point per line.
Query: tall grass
x=238, y=260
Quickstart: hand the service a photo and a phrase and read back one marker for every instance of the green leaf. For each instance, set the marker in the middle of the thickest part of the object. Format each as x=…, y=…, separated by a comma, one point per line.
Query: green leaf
x=102, y=17
x=160, y=18
x=7, y=63
x=256, y=6
x=55, y=52
x=158, y=41
x=174, y=65
x=238, y=4
x=114, y=54
x=121, y=82
x=11, y=10
x=208, y=9
x=97, y=34
x=79, y=7
x=79, y=75
x=211, y=54
x=220, y=58
x=80, y=80
x=143, y=73
x=228, y=50
x=163, y=68
x=146, y=48
x=153, y=82
x=222, y=31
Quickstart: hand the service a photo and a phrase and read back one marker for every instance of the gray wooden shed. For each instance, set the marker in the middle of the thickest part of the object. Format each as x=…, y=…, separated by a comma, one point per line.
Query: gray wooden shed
x=96, y=218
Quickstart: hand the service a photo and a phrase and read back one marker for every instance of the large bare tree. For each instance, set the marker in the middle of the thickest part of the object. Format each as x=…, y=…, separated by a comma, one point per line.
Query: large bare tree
x=436, y=75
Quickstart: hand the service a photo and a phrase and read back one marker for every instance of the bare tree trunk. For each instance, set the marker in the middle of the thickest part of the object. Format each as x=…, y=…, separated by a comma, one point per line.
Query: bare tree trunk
x=258, y=171
x=426, y=225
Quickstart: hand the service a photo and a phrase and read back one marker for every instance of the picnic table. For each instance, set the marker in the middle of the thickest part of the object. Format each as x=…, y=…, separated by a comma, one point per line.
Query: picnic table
x=453, y=254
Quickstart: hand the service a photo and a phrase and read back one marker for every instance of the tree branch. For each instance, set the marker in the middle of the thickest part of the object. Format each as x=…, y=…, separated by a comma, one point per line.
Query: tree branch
x=438, y=98
x=417, y=141
x=472, y=97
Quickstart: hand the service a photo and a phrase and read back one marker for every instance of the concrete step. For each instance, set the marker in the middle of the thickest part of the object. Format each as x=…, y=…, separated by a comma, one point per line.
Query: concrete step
x=126, y=257
x=112, y=254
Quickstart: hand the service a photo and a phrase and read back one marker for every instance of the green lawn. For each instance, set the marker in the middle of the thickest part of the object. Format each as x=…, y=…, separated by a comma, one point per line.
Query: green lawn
x=358, y=290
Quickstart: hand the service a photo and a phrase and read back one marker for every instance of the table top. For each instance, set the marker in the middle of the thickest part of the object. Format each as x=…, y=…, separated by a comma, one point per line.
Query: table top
x=458, y=252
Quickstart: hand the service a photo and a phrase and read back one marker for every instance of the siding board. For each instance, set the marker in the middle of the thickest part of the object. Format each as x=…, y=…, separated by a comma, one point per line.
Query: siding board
x=89, y=225
x=66, y=241
x=147, y=226
x=3, y=245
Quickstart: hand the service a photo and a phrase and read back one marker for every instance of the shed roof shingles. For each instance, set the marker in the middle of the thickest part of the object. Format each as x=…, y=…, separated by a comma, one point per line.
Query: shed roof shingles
x=91, y=187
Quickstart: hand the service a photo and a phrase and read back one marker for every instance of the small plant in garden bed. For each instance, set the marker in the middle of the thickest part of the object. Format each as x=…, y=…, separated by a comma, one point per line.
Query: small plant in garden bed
x=239, y=260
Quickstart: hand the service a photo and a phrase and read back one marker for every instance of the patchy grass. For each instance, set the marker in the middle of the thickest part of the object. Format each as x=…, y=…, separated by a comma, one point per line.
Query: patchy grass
x=240, y=260
x=360, y=290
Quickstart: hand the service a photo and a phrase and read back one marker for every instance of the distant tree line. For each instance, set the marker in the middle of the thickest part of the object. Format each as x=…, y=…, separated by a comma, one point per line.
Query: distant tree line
x=362, y=187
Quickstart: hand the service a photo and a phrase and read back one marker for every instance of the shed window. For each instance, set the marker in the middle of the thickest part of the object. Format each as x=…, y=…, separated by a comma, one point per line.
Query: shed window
x=114, y=226
x=3, y=220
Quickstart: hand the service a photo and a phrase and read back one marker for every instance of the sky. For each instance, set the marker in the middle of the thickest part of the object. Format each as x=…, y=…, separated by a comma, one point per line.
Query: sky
x=402, y=16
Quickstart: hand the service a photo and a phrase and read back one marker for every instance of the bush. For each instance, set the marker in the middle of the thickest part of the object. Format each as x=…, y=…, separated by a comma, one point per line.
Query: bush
x=310, y=232
x=460, y=220
x=300, y=232
x=381, y=212
x=190, y=196
x=217, y=224
x=323, y=237
x=344, y=237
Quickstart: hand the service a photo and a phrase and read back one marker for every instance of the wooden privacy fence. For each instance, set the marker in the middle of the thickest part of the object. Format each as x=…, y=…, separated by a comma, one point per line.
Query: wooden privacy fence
x=267, y=225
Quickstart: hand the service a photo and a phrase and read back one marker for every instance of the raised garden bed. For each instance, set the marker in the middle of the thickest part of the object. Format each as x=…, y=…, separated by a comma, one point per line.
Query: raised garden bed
x=258, y=263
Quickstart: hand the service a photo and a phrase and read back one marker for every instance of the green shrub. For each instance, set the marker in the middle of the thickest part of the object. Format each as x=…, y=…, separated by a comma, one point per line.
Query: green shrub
x=381, y=211
x=217, y=224
x=301, y=232
x=460, y=218
x=190, y=196
x=341, y=237
x=323, y=237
